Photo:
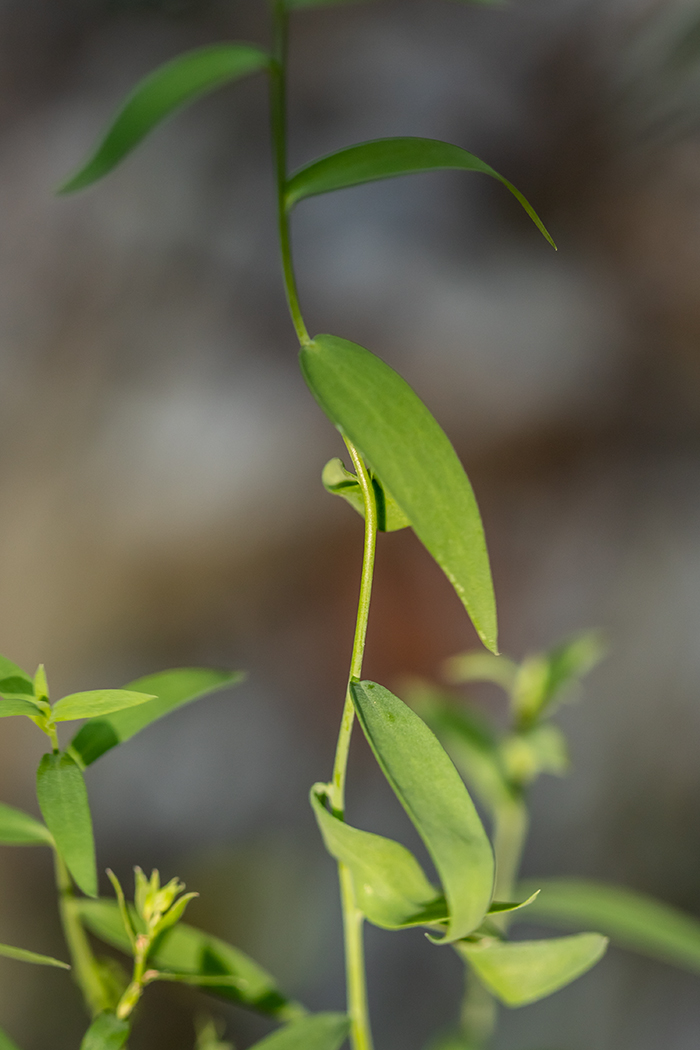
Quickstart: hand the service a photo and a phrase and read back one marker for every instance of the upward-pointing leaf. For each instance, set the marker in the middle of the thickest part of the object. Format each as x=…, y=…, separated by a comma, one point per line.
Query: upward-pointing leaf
x=435, y=798
x=172, y=689
x=387, y=158
x=19, y=829
x=411, y=454
x=63, y=801
x=317, y=1032
x=174, y=84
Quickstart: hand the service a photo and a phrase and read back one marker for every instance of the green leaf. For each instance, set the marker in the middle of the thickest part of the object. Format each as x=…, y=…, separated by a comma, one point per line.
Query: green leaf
x=18, y=707
x=387, y=158
x=405, y=447
x=6, y=1043
x=543, y=679
x=107, y=1032
x=178, y=82
x=435, y=798
x=391, y=888
x=8, y=669
x=316, y=1032
x=632, y=920
x=96, y=702
x=541, y=749
x=521, y=972
x=185, y=949
x=63, y=801
x=481, y=667
x=172, y=689
x=500, y=907
x=19, y=829
x=22, y=955
x=15, y=687
x=340, y=482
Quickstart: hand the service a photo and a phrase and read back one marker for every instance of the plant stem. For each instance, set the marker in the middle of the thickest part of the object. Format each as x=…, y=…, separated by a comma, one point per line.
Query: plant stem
x=278, y=105
x=85, y=968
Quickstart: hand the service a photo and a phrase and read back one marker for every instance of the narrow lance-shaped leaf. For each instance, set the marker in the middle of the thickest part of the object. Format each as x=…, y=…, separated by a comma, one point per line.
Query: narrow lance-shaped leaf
x=521, y=972
x=391, y=888
x=172, y=689
x=64, y=806
x=435, y=798
x=316, y=1032
x=185, y=949
x=96, y=702
x=166, y=90
x=411, y=454
x=387, y=158
x=19, y=829
x=107, y=1032
x=632, y=920
x=22, y=955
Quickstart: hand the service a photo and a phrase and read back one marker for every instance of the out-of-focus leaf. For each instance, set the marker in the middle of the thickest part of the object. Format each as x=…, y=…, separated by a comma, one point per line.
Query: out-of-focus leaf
x=19, y=829
x=8, y=669
x=316, y=1032
x=387, y=158
x=544, y=678
x=521, y=972
x=501, y=907
x=340, y=482
x=14, y=688
x=391, y=888
x=107, y=1032
x=631, y=920
x=22, y=955
x=435, y=798
x=411, y=454
x=95, y=703
x=8, y=708
x=541, y=749
x=6, y=1043
x=63, y=801
x=178, y=82
x=172, y=689
x=185, y=949
x=481, y=667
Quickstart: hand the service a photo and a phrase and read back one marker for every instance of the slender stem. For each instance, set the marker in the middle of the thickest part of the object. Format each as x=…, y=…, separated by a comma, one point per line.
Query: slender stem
x=353, y=920
x=85, y=968
x=278, y=102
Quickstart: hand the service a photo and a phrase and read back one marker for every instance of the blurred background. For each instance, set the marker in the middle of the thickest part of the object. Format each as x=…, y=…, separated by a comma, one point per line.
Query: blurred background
x=160, y=462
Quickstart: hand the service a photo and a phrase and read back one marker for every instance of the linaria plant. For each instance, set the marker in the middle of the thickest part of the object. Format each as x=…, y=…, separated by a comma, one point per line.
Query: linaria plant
x=400, y=472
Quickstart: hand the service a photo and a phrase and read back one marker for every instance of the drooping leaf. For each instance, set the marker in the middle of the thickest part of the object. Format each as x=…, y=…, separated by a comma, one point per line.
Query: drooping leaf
x=340, y=482
x=631, y=920
x=8, y=669
x=95, y=703
x=63, y=801
x=391, y=888
x=6, y=1043
x=316, y=1032
x=107, y=1032
x=22, y=955
x=19, y=829
x=521, y=972
x=8, y=708
x=435, y=798
x=185, y=949
x=387, y=158
x=172, y=689
x=178, y=82
x=411, y=454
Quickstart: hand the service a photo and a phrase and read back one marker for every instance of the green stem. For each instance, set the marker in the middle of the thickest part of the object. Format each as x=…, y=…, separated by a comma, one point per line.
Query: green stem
x=85, y=969
x=278, y=104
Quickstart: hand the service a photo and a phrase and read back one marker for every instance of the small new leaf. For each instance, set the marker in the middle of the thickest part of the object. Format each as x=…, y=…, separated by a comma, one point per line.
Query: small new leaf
x=341, y=482
x=22, y=955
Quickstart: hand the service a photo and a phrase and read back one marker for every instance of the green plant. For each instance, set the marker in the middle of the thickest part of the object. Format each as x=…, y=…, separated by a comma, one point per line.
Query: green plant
x=406, y=474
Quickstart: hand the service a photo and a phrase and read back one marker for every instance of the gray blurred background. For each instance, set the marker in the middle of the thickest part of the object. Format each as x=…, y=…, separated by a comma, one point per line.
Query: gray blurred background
x=160, y=461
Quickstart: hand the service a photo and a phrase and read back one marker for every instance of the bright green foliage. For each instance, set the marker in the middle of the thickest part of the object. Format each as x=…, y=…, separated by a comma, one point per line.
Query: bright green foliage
x=6, y=1043
x=541, y=749
x=19, y=829
x=184, y=949
x=18, y=707
x=178, y=82
x=387, y=158
x=478, y=666
x=630, y=919
x=435, y=798
x=317, y=1032
x=172, y=689
x=96, y=702
x=340, y=482
x=22, y=955
x=391, y=888
x=63, y=801
x=107, y=1032
x=407, y=449
x=10, y=670
x=521, y=972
